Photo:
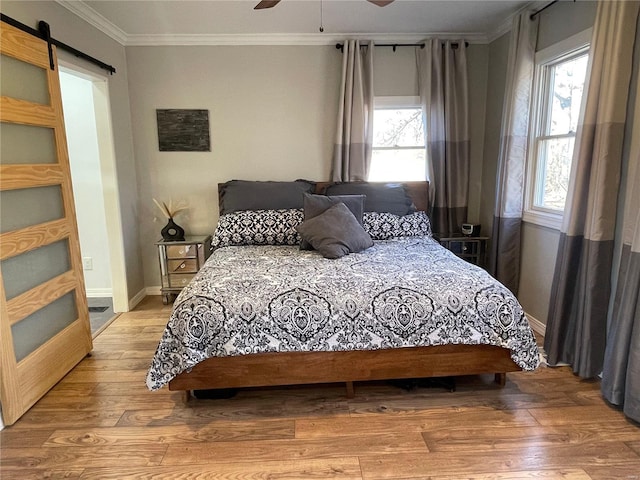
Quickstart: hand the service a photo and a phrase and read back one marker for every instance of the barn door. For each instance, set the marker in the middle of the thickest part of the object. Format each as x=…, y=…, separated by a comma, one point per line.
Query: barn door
x=44, y=319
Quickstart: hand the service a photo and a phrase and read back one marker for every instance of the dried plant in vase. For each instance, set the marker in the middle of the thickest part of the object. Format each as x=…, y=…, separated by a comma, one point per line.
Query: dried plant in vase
x=172, y=232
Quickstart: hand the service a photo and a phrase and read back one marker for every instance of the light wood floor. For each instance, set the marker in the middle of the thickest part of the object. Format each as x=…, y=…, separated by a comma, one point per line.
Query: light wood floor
x=100, y=422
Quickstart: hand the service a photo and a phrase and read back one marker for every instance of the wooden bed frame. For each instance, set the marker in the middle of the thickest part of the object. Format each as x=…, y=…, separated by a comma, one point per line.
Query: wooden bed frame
x=293, y=368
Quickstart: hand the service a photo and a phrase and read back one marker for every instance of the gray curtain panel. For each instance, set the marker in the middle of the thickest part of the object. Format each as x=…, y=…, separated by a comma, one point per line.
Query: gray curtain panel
x=504, y=257
x=621, y=371
x=354, y=133
x=577, y=322
x=444, y=95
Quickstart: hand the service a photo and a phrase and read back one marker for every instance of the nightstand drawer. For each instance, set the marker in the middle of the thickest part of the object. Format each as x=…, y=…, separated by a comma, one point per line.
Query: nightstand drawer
x=180, y=261
x=189, y=265
x=472, y=249
x=182, y=251
x=180, y=279
x=464, y=247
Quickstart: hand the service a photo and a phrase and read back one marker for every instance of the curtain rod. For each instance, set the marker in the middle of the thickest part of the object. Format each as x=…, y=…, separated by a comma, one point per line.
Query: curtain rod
x=534, y=14
x=340, y=46
x=44, y=33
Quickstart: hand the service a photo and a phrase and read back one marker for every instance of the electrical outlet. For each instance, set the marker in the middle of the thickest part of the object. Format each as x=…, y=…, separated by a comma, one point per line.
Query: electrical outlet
x=87, y=263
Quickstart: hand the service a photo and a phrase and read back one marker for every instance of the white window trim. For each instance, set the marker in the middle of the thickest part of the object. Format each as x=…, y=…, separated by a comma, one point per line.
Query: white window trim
x=536, y=215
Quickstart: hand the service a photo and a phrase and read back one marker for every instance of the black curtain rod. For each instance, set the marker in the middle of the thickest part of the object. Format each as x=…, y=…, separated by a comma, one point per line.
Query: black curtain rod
x=340, y=46
x=44, y=33
x=534, y=14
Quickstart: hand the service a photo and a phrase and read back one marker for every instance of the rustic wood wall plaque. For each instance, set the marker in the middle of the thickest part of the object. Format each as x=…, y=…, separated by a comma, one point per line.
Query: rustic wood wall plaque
x=183, y=130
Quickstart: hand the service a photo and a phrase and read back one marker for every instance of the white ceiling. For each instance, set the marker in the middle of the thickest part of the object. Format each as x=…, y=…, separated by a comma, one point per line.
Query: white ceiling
x=149, y=22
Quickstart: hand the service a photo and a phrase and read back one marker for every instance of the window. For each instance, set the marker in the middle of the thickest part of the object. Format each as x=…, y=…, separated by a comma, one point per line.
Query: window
x=398, y=140
x=560, y=81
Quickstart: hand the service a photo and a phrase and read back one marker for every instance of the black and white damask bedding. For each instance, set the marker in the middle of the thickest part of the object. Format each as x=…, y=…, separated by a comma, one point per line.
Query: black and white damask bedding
x=401, y=292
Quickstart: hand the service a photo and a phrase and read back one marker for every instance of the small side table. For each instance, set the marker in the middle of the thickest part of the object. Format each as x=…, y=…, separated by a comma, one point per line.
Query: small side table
x=179, y=263
x=472, y=249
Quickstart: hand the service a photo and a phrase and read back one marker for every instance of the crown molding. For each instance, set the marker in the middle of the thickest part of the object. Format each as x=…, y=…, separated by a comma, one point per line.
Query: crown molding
x=505, y=26
x=290, y=39
x=89, y=15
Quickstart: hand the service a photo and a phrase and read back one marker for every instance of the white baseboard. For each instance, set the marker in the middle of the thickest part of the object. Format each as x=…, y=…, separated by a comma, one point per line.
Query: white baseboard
x=137, y=299
x=536, y=324
x=99, y=292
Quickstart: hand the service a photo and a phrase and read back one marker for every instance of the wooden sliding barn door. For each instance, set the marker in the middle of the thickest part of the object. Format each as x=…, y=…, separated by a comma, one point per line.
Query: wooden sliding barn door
x=44, y=319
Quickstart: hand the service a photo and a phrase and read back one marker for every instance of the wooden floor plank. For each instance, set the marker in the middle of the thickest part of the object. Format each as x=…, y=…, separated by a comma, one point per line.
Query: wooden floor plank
x=556, y=474
x=466, y=463
x=634, y=444
x=335, y=468
x=80, y=457
x=101, y=421
x=489, y=438
x=24, y=438
x=99, y=402
x=123, y=389
x=38, y=418
x=215, y=432
x=420, y=422
x=574, y=415
x=40, y=473
x=273, y=450
x=119, y=364
x=613, y=472
x=286, y=403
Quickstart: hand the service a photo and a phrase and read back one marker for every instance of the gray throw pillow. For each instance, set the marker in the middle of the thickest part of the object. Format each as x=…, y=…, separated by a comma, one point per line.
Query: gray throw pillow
x=335, y=233
x=314, y=205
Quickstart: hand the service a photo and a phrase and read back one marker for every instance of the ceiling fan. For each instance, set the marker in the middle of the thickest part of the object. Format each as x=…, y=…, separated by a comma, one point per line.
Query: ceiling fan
x=272, y=3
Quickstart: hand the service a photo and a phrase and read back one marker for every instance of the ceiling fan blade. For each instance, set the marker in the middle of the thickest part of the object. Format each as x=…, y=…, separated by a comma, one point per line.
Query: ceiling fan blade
x=380, y=3
x=266, y=4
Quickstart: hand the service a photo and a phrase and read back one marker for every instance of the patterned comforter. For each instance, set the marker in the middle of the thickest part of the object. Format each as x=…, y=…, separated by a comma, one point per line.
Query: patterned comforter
x=402, y=292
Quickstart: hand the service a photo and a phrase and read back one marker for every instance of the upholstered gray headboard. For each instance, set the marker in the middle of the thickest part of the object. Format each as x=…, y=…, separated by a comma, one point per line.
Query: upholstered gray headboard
x=249, y=195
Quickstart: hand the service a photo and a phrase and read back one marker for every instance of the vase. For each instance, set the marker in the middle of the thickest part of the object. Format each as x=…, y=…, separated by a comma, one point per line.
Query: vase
x=172, y=232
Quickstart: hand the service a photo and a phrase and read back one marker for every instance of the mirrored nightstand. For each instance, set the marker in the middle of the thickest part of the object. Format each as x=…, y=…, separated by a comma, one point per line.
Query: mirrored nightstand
x=179, y=263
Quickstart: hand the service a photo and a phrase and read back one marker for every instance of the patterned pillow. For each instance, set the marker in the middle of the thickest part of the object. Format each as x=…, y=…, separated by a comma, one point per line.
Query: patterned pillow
x=383, y=225
x=258, y=227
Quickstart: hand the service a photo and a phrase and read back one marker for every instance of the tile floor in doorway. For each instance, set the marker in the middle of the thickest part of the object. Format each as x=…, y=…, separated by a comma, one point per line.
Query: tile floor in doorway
x=98, y=314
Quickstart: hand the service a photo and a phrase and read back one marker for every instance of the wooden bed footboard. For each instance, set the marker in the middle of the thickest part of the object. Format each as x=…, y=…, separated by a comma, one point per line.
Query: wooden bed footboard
x=274, y=369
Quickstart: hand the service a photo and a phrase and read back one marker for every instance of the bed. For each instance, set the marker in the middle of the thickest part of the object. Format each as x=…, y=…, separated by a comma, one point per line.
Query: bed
x=264, y=312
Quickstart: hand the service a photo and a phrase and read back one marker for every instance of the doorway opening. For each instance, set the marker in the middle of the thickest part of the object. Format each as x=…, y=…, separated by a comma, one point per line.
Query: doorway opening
x=88, y=127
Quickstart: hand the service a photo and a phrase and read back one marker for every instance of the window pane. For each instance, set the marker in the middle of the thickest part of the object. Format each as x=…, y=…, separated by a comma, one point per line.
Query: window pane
x=553, y=170
x=23, y=80
x=30, y=206
x=567, y=82
x=398, y=127
x=23, y=144
x=28, y=270
x=398, y=165
x=39, y=327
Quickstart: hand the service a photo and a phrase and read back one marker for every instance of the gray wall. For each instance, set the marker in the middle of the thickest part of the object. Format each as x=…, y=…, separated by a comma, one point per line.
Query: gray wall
x=498, y=52
x=271, y=109
x=70, y=29
x=272, y=116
